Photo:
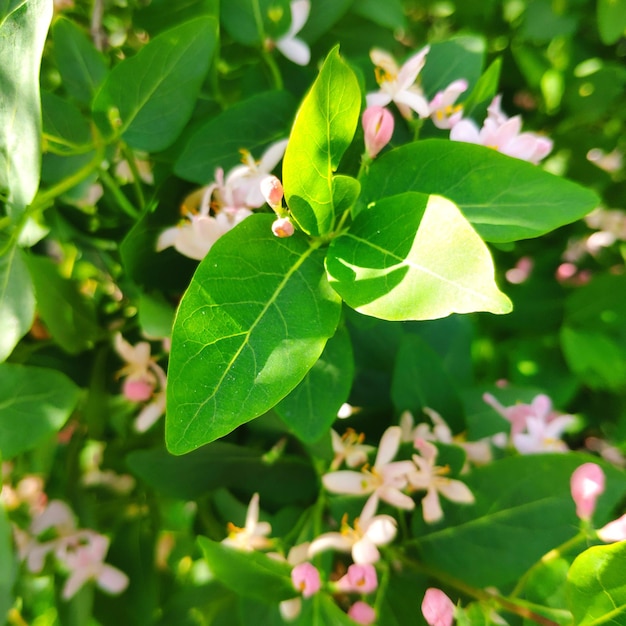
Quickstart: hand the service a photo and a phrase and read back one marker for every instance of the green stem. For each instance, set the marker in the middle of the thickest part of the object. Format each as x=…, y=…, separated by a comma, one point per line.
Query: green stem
x=277, y=78
x=122, y=200
x=130, y=159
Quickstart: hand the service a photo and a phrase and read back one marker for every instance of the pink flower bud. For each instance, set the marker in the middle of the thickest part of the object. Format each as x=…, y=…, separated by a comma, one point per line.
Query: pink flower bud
x=361, y=578
x=614, y=531
x=137, y=390
x=272, y=190
x=362, y=613
x=437, y=608
x=306, y=579
x=378, y=128
x=587, y=483
x=283, y=227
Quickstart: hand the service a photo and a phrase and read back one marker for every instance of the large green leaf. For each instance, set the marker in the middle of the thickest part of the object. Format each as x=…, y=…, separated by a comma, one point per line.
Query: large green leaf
x=22, y=36
x=523, y=509
x=611, y=20
x=254, y=320
x=596, y=588
x=34, y=403
x=324, y=127
x=8, y=6
x=7, y=566
x=311, y=408
x=81, y=65
x=414, y=257
x=251, y=574
x=17, y=300
x=505, y=199
x=251, y=124
x=155, y=91
x=287, y=480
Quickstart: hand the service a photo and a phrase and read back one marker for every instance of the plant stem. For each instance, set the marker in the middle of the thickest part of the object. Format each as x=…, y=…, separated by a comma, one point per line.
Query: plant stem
x=122, y=200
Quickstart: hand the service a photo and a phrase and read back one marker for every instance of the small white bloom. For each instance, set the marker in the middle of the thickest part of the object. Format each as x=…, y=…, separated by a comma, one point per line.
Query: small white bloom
x=443, y=112
x=397, y=84
x=253, y=536
x=350, y=448
x=291, y=47
x=542, y=435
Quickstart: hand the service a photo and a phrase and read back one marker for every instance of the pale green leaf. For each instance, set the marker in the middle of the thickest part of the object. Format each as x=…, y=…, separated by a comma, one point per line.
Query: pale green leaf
x=34, y=403
x=254, y=320
x=414, y=257
x=22, y=36
x=324, y=127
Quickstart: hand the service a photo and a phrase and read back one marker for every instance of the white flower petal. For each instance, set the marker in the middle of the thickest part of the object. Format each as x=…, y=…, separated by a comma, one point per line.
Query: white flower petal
x=348, y=482
x=295, y=50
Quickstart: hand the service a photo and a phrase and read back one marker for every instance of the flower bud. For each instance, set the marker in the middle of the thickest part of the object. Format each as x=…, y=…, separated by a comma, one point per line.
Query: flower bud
x=283, y=227
x=272, y=190
x=437, y=608
x=361, y=578
x=587, y=483
x=362, y=613
x=306, y=579
x=137, y=390
x=378, y=128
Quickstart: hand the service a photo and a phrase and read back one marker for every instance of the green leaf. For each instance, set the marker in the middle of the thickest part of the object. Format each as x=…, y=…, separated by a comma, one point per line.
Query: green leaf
x=251, y=124
x=7, y=566
x=529, y=516
x=323, y=130
x=17, y=300
x=34, y=403
x=254, y=320
x=311, y=408
x=346, y=192
x=154, y=110
x=22, y=37
x=611, y=20
x=160, y=15
x=286, y=481
x=250, y=574
x=8, y=6
x=485, y=89
x=388, y=15
x=156, y=316
x=69, y=316
x=414, y=257
x=324, y=14
x=250, y=21
x=81, y=65
x=420, y=380
x=595, y=586
x=504, y=198
x=447, y=61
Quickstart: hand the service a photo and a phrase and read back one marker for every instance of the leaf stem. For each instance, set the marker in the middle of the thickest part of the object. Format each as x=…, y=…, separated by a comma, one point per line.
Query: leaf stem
x=122, y=200
x=269, y=60
x=132, y=164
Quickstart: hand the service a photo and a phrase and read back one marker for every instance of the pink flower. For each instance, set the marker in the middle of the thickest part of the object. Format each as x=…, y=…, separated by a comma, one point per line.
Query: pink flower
x=360, y=578
x=137, y=390
x=272, y=190
x=378, y=128
x=437, y=608
x=443, y=112
x=282, y=227
x=362, y=613
x=587, y=483
x=306, y=579
x=614, y=531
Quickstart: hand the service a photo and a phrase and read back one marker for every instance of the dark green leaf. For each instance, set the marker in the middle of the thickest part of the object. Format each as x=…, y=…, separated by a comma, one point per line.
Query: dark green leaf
x=153, y=110
x=250, y=21
x=389, y=14
x=414, y=257
x=22, y=36
x=34, y=403
x=254, y=320
x=250, y=125
x=323, y=130
x=505, y=199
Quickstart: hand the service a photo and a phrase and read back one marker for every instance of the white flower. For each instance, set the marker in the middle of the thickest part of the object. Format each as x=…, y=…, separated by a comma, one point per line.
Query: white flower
x=503, y=134
x=398, y=84
x=369, y=532
x=443, y=112
x=293, y=48
x=350, y=448
x=253, y=536
x=542, y=435
x=434, y=480
x=384, y=481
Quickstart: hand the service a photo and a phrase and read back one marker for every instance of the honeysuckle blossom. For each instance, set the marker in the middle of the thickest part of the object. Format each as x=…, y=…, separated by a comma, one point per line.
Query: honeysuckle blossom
x=608, y=161
x=437, y=608
x=443, y=112
x=369, y=532
x=350, y=448
x=434, y=480
x=503, y=134
x=613, y=531
x=362, y=613
x=377, y=129
x=397, y=84
x=543, y=435
x=587, y=484
x=518, y=414
x=272, y=190
x=86, y=562
x=253, y=536
x=290, y=609
x=360, y=578
x=384, y=481
x=291, y=46
x=282, y=227
x=306, y=579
